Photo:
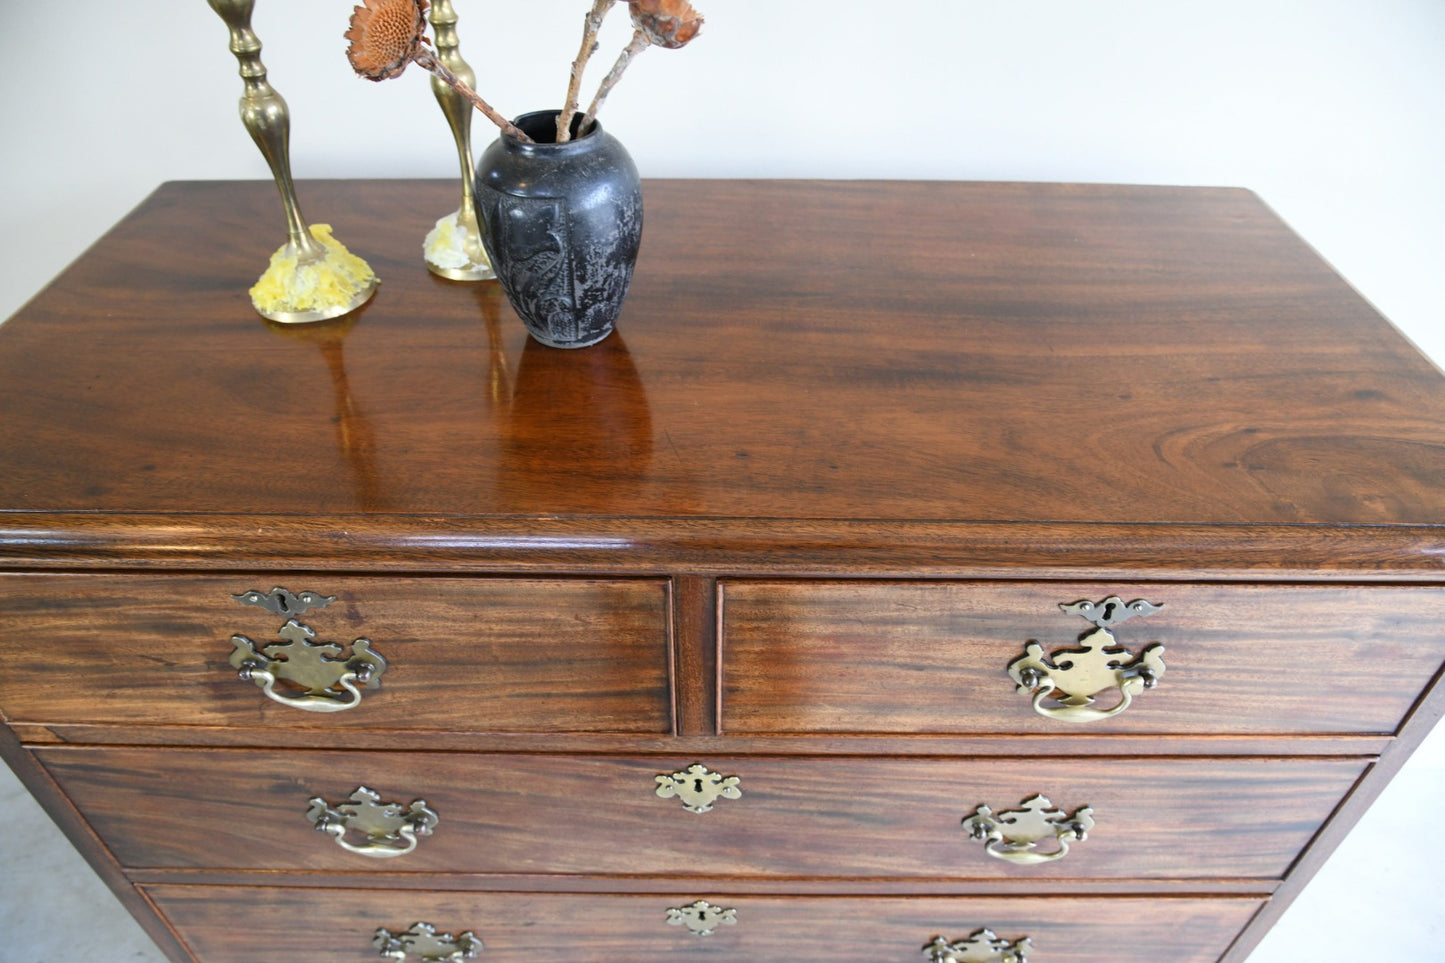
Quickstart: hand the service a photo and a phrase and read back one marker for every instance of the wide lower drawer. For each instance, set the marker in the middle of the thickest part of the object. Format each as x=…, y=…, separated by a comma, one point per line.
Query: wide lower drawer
x=223, y=924
x=460, y=653
x=1201, y=818
x=935, y=657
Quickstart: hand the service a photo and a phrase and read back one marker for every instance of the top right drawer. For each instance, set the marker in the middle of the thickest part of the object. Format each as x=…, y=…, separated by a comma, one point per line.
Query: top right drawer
x=871, y=657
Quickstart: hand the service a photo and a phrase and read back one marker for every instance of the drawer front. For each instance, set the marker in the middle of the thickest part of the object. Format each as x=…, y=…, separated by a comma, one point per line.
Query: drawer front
x=222, y=925
x=1242, y=818
x=933, y=657
x=460, y=653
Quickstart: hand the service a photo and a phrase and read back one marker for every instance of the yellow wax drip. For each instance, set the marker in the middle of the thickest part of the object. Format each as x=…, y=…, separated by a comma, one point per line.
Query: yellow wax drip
x=446, y=244
x=330, y=283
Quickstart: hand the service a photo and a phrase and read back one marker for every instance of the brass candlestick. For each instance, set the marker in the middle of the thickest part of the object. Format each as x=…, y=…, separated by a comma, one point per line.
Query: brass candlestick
x=312, y=277
x=454, y=249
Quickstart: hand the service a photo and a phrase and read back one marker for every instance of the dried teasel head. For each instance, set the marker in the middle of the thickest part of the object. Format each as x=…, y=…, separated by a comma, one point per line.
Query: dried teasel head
x=385, y=36
x=666, y=23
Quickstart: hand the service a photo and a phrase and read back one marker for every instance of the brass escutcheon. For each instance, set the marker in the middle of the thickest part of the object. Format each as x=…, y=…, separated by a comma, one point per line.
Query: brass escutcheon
x=426, y=943
x=701, y=917
x=389, y=830
x=286, y=604
x=1014, y=834
x=980, y=946
x=698, y=787
x=1065, y=682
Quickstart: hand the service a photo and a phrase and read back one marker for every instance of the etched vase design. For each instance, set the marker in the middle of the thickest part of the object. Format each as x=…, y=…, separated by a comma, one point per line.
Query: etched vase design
x=562, y=226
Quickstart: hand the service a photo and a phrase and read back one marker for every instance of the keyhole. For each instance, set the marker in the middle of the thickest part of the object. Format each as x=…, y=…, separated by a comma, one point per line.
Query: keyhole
x=697, y=785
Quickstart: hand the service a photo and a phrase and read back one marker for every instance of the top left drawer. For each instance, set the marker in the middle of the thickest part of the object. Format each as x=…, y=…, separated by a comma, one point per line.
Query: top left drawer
x=473, y=654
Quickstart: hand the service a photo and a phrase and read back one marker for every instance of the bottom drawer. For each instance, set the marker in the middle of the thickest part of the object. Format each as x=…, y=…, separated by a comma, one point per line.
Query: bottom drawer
x=222, y=924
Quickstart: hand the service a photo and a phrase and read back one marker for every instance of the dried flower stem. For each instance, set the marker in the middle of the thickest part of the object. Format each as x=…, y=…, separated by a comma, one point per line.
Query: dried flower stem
x=590, y=25
x=639, y=43
x=426, y=60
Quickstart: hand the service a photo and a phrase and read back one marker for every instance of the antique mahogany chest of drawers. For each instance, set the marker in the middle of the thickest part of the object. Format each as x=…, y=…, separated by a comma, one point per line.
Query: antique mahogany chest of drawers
x=941, y=572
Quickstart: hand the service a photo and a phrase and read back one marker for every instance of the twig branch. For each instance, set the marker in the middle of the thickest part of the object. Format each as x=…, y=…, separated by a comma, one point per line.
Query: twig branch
x=639, y=43
x=426, y=60
x=590, y=25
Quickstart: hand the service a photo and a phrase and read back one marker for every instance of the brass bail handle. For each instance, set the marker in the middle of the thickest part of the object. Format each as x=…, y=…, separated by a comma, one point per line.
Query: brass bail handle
x=388, y=829
x=1036, y=832
x=980, y=946
x=298, y=672
x=426, y=943
x=1066, y=682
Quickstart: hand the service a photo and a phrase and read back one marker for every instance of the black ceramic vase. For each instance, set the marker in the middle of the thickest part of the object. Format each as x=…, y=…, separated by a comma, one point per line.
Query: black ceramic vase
x=561, y=224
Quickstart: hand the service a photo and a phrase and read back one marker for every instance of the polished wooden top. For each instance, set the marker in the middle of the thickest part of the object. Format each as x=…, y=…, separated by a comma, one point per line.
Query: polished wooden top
x=996, y=366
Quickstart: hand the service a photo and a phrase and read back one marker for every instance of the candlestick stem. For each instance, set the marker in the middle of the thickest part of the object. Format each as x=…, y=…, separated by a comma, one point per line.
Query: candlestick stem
x=267, y=120
x=347, y=280
x=454, y=248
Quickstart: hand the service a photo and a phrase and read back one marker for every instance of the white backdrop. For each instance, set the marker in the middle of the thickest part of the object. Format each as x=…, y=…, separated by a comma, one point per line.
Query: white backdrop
x=1332, y=110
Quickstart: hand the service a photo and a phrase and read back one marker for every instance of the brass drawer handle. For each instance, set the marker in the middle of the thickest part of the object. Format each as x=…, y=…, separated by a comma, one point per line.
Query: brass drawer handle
x=698, y=787
x=1065, y=682
x=981, y=946
x=428, y=945
x=300, y=673
x=389, y=830
x=701, y=918
x=1014, y=834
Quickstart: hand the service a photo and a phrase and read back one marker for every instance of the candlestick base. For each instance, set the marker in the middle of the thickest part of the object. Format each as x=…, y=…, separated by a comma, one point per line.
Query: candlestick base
x=453, y=250
x=298, y=288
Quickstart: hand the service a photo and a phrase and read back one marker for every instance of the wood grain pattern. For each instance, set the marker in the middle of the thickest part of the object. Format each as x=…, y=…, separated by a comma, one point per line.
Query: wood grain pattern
x=1027, y=352
x=70, y=822
x=711, y=547
x=666, y=886
x=852, y=817
x=696, y=628
x=887, y=427
x=234, y=925
x=976, y=746
x=1426, y=715
x=553, y=655
x=915, y=657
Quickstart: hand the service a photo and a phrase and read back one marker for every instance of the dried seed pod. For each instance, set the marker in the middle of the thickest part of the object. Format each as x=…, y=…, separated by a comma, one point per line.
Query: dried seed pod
x=385, y=36
x=666, y=23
